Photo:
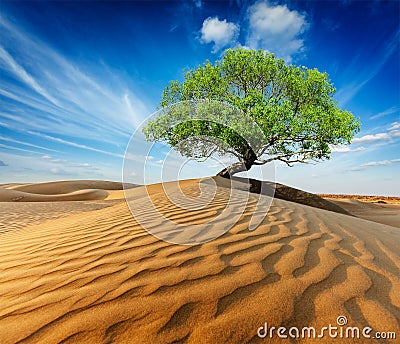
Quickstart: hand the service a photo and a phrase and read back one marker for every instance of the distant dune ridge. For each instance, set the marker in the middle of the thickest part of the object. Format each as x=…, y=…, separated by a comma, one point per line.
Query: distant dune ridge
x=96, y=276
x=74, y=190
x=63, y=187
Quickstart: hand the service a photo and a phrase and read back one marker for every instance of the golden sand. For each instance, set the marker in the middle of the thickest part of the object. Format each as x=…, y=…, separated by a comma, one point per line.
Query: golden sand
x=96, y=276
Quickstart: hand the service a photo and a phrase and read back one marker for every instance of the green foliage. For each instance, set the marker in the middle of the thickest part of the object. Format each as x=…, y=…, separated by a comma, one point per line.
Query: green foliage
x=292, y=105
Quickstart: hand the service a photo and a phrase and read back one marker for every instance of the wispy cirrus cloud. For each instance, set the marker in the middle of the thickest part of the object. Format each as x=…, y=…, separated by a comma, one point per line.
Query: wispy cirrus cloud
x=363, y=77
x=37, y=168
x=375, y=164
x=51, y=139
x=75, y=144
x=8, y=147
x=56, y=104
x=66, y=163
x=394, y=126
x=45, y=91
x=11, y=140
x=23, y=75
x=387, y=112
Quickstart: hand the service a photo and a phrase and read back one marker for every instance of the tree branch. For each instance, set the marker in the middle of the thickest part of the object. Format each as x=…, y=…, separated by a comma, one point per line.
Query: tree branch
x=282, y=158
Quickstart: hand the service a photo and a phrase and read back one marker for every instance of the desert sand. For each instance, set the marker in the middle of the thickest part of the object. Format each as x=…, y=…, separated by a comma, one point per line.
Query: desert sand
x=87, y=272
x=381, y=209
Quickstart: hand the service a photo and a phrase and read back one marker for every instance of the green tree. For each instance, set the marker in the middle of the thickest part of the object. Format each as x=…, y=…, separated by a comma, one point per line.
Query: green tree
x=292, y=105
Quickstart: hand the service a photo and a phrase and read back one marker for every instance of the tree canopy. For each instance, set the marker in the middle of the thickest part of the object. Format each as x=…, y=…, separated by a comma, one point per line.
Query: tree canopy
x=292, y=106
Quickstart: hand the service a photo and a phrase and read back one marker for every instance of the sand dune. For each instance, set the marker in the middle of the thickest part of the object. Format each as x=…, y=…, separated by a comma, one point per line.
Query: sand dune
x=73, y=190
x=388, y=214
x=99, y=277
x=9, y=195
x=65, y=187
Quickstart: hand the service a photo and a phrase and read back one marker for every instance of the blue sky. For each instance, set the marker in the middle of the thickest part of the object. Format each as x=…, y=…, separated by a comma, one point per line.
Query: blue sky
x=77, y=78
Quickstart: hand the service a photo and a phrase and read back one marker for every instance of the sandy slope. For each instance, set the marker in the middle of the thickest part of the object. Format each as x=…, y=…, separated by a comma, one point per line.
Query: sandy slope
x=15, y=216
x=72, y=190
x=98, y=277
x=384, y=210
x=9, y=195
x=388, y=214
x=64, y=187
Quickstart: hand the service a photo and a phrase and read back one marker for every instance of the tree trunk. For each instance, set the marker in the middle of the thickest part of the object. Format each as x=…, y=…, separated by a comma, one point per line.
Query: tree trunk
x=237, y=167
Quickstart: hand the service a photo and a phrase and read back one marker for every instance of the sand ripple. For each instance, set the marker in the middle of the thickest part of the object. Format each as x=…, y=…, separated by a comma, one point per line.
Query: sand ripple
x=100, y=277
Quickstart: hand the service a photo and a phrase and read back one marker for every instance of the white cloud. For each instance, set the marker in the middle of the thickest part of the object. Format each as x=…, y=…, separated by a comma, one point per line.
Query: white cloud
x=389, y=111
x=371, y=138
x=375, y=163
x=32, y=168
x=78, y=164
x=345, y=149
x=392, y=133
x=59, y=171
x=65, y=163
x=370, y=141
x=395, y=126
x=219, y=32
x=276, y=29
x=340, y=149
x=377, y=137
